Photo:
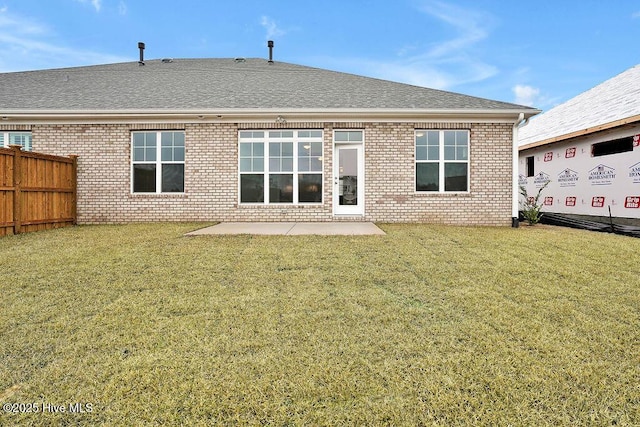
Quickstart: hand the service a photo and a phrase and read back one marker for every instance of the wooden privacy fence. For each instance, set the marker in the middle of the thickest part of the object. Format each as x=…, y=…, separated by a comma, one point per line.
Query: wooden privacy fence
x=37, y=191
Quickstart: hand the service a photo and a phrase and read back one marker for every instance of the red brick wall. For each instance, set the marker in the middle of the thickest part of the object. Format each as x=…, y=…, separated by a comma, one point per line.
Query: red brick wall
x=211, y=177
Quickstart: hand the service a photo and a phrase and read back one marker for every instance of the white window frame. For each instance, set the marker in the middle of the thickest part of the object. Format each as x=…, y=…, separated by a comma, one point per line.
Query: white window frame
x=441, y=162
x=5, y=139
x=267, y=136
x=158, y=162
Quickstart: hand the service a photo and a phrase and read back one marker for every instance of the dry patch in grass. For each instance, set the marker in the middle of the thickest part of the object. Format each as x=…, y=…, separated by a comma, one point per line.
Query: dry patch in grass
x=427, y=325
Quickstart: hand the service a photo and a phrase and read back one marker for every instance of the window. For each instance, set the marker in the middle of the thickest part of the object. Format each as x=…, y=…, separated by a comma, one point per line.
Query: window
x=442, y=160
x=530, y=167
x=157, y=162
x=280, y=167
x=621, y=145
x=16, y=138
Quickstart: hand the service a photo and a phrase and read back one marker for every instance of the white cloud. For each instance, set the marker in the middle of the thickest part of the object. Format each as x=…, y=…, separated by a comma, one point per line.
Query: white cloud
x=635, y=15
x=29, y=45
x=441, y=64
x=122, y=8
x=97, y=4
x=526, y=95
x=272, y=28
x=472, y=26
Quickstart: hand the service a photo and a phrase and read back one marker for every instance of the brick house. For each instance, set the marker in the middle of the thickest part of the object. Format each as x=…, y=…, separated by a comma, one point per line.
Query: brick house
x=257, y=140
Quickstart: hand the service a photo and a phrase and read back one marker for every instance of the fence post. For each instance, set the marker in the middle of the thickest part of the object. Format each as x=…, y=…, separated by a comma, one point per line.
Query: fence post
x=17, y=188
x=74, y=185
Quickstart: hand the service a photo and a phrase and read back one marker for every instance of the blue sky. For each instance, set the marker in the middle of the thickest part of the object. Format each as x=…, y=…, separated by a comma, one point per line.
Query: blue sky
x=534, y=53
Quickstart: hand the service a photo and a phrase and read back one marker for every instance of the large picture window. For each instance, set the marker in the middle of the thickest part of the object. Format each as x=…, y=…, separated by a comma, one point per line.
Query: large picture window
x=442, y=160
x=157, y=162
x=16, y=138
x=280, y=167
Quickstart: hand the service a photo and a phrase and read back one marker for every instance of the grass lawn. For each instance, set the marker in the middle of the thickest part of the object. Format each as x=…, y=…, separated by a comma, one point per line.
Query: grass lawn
x=427, y=325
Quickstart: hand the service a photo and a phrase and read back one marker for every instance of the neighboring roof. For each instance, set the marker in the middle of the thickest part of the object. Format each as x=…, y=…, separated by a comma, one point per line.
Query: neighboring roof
x=211, y=85
x=613, y=103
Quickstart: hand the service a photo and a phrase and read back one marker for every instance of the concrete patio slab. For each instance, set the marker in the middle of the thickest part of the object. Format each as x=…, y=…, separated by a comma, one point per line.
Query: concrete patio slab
x=291, y=228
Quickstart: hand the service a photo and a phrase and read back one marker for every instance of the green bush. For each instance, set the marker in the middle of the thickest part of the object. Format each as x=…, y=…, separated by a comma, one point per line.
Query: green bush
x=531, y=207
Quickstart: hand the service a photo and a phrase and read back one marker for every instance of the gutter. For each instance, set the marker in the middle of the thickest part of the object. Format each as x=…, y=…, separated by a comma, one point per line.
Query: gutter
x=242, y=115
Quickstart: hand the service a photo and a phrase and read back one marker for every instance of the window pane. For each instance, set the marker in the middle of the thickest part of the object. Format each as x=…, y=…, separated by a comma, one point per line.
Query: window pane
x=303, y=164
x=342, y=136
x=138, y=140
x=245, y=165
x=258, y=165
x=428, y=145
x=287, y=149
x=245, y=149
x=351, y=136
x=449, y=137
x=281, y=188
x=455, y=177
x=427, y=177
x=461, y=153
x=287, y=164
x=144, y=144
x=178, y=154
x=274, y=164
x=421, y=153
x=304, y=149
x=355, y=136
x=258, y=149
x=138, y=154
x=173, y=178
x=462, y=138
x=310, y=188
x=274, y=149
x=166, y=139
x=144, y=178
x=167, y=154
x=172, y=144
x=251, y=188
x=449, y=152
x=250, y=134
x=316, y=164
x=21, y=139
x=433, y=137
x=316, y=148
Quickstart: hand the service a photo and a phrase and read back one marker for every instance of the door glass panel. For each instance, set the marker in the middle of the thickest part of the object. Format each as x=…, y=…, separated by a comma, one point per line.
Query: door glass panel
x=348, y=176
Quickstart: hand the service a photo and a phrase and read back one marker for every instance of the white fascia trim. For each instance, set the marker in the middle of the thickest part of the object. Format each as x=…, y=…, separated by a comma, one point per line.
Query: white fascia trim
x=262, y=115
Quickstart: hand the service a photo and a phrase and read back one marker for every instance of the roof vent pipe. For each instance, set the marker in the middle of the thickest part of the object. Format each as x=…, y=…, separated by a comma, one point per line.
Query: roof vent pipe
x=141, y=47
x=270, y=46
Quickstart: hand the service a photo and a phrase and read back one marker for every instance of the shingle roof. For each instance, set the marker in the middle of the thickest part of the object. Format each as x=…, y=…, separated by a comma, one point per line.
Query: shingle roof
x=606, y=104
x=188, y=84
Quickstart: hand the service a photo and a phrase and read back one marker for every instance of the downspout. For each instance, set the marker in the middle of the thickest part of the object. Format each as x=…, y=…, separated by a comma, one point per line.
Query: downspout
x=515, y=187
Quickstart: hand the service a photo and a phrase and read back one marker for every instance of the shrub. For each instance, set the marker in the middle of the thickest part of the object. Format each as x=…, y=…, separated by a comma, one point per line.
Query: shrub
x=531, y=206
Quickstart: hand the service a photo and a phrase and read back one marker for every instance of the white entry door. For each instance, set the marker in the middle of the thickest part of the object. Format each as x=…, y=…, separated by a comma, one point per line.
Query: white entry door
x=348, y=180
